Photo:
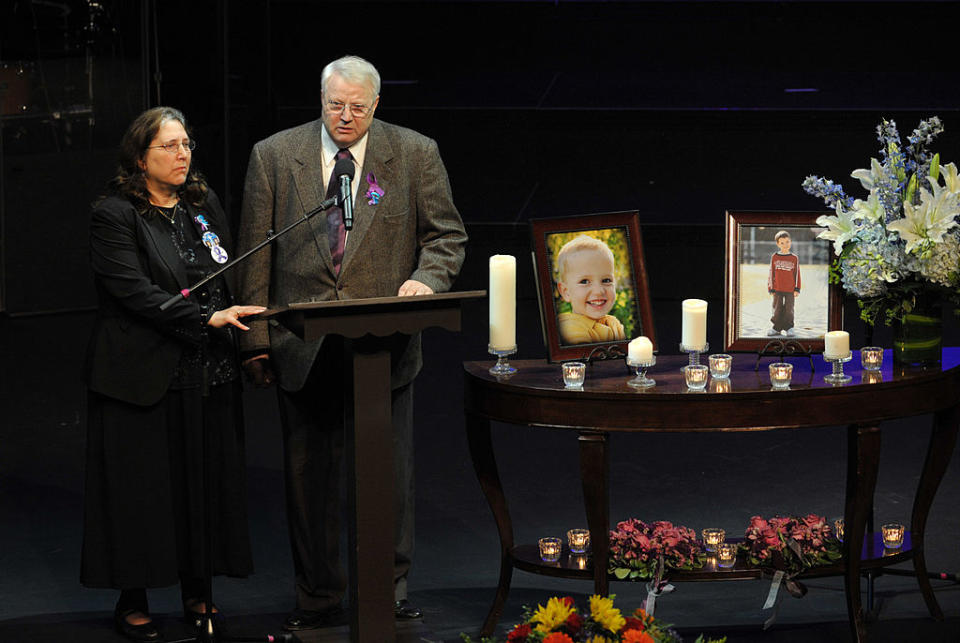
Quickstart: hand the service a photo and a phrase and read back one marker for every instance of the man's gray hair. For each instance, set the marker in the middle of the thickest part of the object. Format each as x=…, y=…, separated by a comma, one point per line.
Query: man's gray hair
x=353, y=69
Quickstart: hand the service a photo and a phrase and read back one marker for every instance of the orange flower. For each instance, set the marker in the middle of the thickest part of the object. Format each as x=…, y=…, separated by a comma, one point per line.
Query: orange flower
x=636, y=636
x=560, y=637
x=641, y=614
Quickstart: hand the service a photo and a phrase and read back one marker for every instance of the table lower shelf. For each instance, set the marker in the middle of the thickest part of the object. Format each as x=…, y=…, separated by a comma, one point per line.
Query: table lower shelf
x=526, y=557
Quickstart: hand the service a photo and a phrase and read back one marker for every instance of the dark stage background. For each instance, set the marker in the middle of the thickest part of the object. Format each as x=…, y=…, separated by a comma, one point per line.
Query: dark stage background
x=679, y=110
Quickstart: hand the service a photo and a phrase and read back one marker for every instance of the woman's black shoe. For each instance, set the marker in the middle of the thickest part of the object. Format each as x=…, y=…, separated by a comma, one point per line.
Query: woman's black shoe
x=144, y=632
x=300, y=619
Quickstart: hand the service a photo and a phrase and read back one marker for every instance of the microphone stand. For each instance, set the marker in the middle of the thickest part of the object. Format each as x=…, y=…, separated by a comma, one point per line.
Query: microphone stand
x=183, y=294
x=208, y=633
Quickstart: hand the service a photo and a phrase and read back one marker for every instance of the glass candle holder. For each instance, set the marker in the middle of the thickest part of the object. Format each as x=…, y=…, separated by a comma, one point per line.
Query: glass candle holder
x=871, y=377
x=892, y=535
x=780, y=374
x=838, y=528
x=578, y=540
x=696, y=376
x=550, y=549
x=837, y=377
x=640, y=368
x=871, y=358
x=726, y=555
x=711, y=538
x=573, y=374
x=693, y=352
x=720, y=364
x=502, y=367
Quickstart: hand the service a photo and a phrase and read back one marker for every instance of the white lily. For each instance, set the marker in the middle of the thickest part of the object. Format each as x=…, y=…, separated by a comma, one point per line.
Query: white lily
x=871, y=209
x=928, y=221
x=950, y=177
x=840, y=229
x=869, y=178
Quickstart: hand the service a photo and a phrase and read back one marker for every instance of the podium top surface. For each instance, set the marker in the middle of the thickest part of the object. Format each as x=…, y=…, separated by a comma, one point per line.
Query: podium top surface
x=375, y=303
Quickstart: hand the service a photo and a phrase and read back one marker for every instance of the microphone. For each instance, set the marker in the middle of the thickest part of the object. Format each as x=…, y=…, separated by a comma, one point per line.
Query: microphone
x=344, y=170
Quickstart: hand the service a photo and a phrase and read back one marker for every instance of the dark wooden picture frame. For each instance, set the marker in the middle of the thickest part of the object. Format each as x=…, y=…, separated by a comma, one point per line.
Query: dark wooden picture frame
x=750, y=247
x=620, y=232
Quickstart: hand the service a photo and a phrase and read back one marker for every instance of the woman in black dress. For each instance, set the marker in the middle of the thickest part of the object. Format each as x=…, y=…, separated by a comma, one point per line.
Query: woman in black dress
x=158, y=379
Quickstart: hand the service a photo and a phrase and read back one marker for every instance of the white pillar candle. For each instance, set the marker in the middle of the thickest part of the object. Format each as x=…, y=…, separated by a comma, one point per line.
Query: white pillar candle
x=694, y=328
x=503, y=302
x=836, y=343
x=640, y=350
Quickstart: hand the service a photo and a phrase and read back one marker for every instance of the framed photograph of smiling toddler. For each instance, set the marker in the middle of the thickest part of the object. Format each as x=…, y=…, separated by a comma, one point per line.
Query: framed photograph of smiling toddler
x=777, y=282
x=591, y=284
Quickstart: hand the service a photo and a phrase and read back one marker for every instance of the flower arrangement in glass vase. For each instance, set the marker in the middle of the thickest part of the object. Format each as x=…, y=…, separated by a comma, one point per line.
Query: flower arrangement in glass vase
x=647, y=551
x=559, y=621
x=898, y=250
x=791, y=544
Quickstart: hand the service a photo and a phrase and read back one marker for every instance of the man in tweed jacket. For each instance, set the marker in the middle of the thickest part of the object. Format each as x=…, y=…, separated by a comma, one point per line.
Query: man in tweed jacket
x=407, y=239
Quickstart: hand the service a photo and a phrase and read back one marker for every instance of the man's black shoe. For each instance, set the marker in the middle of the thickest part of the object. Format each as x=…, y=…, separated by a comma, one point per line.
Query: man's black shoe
x=145, y=632
x=311, y=619
x=404, y=611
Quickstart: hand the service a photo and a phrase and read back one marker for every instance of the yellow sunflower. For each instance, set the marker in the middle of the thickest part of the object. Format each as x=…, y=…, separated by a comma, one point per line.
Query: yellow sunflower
x=603, y=612
x=596, y=638
x=553, y=615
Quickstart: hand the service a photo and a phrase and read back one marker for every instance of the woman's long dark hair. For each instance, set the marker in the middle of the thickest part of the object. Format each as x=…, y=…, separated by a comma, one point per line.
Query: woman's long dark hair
x=130, y=182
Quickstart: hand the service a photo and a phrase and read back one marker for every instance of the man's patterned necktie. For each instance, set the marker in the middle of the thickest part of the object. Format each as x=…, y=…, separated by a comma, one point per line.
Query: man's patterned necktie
x=336, y=233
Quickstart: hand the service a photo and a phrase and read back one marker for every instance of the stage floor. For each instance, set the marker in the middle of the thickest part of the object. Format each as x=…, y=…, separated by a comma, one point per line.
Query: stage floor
x=710, y=480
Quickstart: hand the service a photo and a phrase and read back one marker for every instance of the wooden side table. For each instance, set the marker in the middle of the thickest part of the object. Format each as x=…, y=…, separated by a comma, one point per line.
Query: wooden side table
x=535, y=396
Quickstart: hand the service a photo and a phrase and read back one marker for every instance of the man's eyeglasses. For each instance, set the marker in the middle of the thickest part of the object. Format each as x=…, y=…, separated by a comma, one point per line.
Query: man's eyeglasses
x=336, y=107
x=174, y=146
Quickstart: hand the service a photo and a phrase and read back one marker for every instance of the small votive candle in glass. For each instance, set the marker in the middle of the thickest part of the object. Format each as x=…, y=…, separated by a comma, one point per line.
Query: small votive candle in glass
x=720, y=364
x=892, y=535
x=838, y=528
x=574, y=374
x=578, y=540
x=780, y=374
x=696, y=376
x=726, y=554
x=871, y=377
x=712, y=537
x=550, y=549
x=871, y=358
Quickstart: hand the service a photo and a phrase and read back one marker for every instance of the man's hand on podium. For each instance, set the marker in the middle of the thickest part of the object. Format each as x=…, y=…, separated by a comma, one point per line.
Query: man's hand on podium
x=413, y=287
x=259, y=370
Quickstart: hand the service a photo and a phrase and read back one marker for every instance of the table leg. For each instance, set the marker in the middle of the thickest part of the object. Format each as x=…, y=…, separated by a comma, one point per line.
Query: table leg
x=863, y=454
x=485, y=466
x=943, y=439
x=595, y=476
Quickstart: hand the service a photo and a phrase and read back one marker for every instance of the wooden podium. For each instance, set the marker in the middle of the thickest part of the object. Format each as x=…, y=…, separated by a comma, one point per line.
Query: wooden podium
x=365, y=323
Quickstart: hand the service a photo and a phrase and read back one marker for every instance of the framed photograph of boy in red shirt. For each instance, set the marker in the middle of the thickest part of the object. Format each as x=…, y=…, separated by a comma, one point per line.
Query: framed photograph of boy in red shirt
x=777, y=283
x=591, y=284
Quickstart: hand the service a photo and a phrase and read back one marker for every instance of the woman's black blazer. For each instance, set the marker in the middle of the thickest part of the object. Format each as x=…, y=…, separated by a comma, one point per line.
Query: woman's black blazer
x=135, y=346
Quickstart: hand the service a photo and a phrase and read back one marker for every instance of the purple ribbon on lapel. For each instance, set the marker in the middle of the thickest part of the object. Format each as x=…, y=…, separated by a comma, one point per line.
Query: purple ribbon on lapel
x=374, y=192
